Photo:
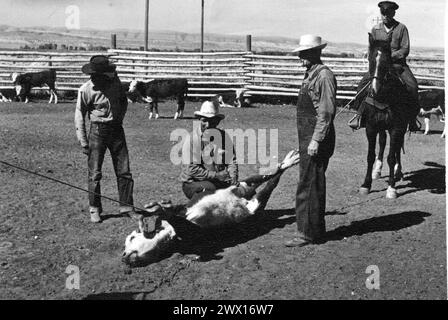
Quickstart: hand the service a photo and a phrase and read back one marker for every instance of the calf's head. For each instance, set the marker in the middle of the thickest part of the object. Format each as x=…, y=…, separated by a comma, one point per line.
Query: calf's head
x=19, y=83
x=148, y=242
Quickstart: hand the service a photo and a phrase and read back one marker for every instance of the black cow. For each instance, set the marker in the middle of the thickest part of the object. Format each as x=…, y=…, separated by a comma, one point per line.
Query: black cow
x=152, y=90
x=26, y=81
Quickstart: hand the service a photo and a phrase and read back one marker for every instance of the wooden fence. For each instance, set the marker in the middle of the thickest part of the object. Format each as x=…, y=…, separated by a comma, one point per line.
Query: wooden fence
x=209, y=73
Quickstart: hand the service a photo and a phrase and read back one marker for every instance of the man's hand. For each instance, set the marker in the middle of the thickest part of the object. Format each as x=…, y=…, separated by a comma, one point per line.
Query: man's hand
x=313, y=148
x=85, y=150
x=222, y=176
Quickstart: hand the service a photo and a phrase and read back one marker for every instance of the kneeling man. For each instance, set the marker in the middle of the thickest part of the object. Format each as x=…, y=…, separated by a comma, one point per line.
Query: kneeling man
x=216, y=167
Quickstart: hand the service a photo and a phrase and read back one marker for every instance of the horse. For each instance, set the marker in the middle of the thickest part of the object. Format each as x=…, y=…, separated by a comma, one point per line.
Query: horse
x=387, y=107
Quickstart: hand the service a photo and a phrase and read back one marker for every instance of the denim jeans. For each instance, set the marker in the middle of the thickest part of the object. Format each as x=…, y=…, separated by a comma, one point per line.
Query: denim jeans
x=102, y=137
x=311, y=189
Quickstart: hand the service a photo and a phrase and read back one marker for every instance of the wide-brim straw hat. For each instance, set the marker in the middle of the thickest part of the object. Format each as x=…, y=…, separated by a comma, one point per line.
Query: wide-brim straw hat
x=209, y=109
x=98, y=64
x=309, y=41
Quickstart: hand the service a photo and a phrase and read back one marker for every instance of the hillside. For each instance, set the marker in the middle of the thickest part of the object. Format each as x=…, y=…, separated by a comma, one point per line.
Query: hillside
x=16, y=38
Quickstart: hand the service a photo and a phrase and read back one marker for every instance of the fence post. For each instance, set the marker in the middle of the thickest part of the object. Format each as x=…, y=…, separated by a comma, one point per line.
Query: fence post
x=49, y=62
x=248, y=43
x=113, y=41
x=248, y=58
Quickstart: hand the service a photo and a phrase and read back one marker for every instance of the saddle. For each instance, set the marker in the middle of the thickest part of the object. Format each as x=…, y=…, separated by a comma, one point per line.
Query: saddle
x=375, y=103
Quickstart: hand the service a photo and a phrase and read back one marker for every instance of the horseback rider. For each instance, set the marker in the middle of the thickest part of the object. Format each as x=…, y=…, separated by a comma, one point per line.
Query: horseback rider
x=397, y=34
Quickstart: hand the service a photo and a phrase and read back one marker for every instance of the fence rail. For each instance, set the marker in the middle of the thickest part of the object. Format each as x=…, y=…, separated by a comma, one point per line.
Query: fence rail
x=209, y=73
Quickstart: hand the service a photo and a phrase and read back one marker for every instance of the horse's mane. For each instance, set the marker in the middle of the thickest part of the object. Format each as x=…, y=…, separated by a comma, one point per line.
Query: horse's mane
x=375, y=46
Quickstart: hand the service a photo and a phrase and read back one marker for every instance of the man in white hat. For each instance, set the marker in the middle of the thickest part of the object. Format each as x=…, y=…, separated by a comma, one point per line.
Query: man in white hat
x=315, y=114
x=216, y=167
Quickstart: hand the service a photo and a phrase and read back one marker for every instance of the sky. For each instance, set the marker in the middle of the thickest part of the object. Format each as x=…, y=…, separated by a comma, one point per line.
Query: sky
x=334, y=20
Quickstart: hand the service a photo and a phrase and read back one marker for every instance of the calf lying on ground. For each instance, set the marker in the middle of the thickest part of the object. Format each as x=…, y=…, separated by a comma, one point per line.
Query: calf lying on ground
x=238, y=99
x=432, y=102
x=152, y=90
x=26, y=81
x=225, y=206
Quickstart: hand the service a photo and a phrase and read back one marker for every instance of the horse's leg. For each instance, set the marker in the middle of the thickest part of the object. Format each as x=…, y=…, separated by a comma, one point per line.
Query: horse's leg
x=371, y=139
x=398, y=172
x=395, y=147
x=382, y=138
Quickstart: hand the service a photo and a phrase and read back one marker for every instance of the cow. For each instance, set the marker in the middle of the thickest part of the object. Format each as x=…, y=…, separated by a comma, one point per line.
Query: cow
x=432, y=102
x=237, y=99
x=5, y=96
x=225, y=207
x=26, y=81
x=154, y=89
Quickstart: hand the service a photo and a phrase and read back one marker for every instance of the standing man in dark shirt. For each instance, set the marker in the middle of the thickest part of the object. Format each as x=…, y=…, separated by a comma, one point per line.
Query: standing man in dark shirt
x=103, y=99
x=398, y=36
x=315, y=114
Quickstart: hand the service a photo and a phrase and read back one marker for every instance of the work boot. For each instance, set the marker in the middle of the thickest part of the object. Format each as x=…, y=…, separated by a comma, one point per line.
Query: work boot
x=296, y=242
x=95, y=214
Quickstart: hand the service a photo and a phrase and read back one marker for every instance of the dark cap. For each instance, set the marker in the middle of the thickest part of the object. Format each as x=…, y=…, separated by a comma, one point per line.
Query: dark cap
x=387, y=6
x=98, y=64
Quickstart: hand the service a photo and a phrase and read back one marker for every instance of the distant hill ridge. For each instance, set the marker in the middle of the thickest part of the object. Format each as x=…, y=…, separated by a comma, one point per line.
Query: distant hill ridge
x=16, y=37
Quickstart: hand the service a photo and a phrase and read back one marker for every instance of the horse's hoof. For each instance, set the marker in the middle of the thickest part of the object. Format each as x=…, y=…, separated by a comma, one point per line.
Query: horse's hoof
x=364, y=191
x=391, y=193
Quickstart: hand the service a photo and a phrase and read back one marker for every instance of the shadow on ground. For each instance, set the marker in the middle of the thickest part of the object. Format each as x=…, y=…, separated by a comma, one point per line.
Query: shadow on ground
x=431, y=178
x=393, y=222
x=208, y=244
x=263, y=224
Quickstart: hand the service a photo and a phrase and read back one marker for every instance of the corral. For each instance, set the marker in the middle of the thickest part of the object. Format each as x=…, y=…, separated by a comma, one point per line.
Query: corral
x=44, y=227
x=210, y=73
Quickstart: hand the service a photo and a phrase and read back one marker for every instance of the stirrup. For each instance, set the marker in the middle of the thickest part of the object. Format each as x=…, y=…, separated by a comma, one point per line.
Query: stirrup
x=355, y=122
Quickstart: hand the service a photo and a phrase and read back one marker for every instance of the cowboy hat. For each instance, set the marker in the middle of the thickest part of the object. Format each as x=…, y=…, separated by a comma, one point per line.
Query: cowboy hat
x=98, y=64
x=310, y=41
x=209, y=109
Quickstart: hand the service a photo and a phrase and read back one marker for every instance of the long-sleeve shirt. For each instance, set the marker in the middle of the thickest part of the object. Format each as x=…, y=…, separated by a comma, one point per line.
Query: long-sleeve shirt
x=101, y=106
x=206, y=170
x=322, y=90
x=399, y=40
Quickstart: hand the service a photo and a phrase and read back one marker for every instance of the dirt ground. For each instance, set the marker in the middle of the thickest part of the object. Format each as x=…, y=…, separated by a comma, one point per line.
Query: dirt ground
x=44, y=226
